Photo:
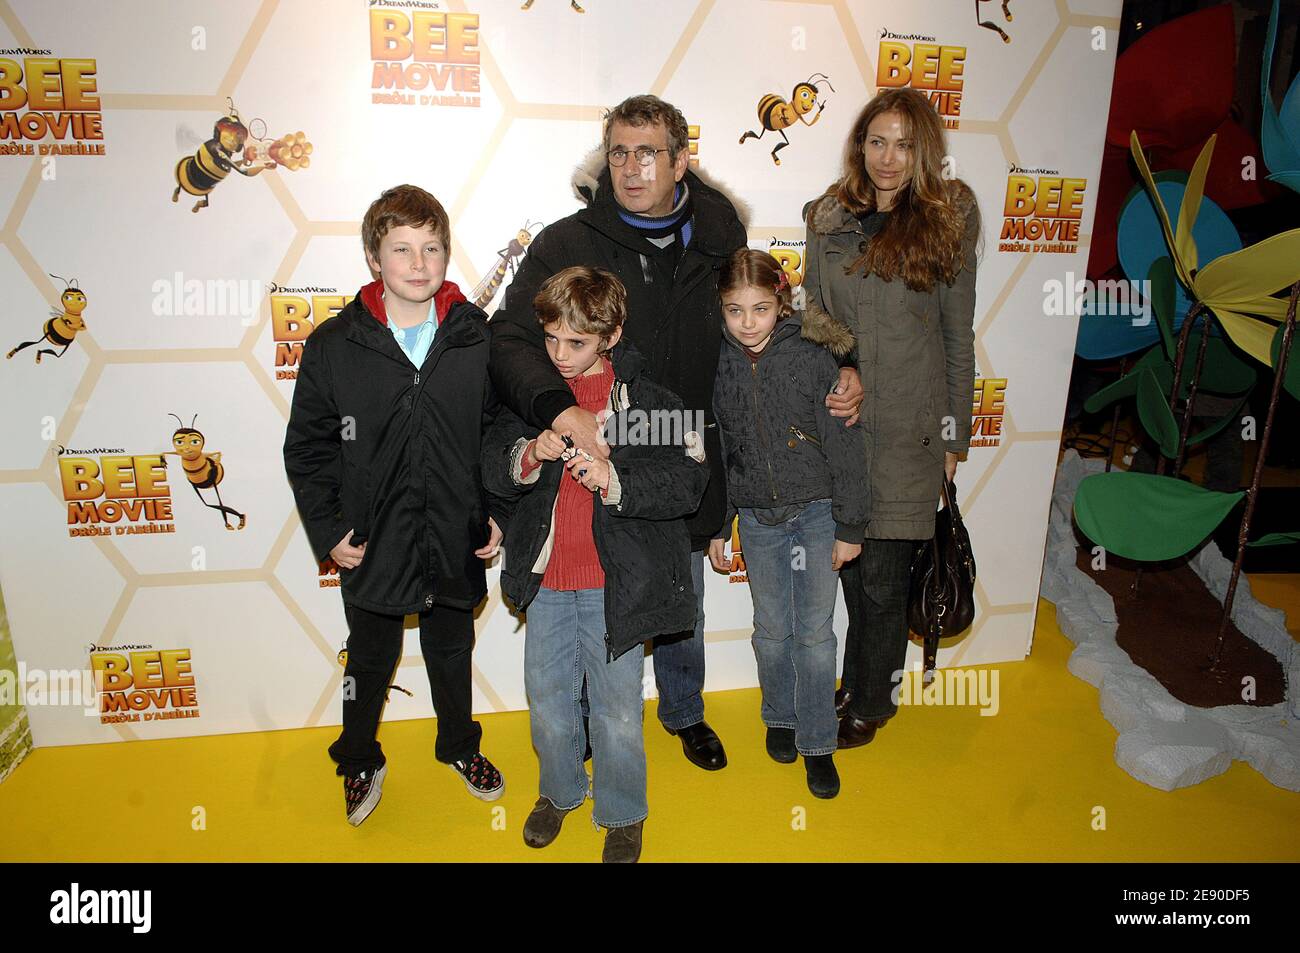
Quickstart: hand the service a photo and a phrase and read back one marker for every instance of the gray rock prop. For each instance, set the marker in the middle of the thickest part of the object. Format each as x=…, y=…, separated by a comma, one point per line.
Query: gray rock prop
x=1163, y=742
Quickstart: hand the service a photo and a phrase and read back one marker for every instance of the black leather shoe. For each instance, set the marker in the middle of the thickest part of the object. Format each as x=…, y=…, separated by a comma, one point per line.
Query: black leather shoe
x=823, y=779
x=842, y=698
x=855, y=732
x=702, y=746
x=780, y=745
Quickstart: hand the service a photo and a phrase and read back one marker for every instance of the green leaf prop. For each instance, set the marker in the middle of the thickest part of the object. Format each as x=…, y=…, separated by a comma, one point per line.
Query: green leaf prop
x=1126, y=386
x=1212, y=429
x=1292, y=379
x=1153, y=409
x=1163, y=301
x=1276, y=539
x=1147, y=517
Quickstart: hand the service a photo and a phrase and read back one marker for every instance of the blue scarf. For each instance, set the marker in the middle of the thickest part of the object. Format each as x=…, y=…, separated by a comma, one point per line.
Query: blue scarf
x=679, y=220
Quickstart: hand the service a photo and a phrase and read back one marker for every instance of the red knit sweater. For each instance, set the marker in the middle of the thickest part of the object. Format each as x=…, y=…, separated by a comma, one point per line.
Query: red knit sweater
x=574, y=562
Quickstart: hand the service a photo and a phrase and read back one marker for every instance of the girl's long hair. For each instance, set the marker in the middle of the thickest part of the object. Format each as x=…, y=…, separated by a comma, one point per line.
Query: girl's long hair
x=921, y=240
x=750, y=268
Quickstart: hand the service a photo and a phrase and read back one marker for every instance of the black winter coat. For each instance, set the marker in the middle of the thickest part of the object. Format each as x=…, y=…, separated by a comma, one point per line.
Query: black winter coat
x=781, y=444
x=678, y=328
x=392, y=453
x=642, y=541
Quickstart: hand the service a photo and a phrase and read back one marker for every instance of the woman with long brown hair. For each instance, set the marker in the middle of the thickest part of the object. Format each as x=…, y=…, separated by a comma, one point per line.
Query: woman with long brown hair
x=892, y=248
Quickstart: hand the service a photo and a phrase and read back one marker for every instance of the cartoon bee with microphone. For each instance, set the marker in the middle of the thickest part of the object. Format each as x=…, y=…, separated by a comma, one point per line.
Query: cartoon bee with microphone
x=775, y=114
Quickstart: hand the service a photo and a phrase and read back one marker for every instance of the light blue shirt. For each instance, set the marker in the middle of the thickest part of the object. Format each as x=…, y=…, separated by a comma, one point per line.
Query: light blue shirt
x=416, y=341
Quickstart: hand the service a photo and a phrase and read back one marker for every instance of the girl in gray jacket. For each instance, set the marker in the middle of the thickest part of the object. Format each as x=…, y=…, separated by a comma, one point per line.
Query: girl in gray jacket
x=795, y=477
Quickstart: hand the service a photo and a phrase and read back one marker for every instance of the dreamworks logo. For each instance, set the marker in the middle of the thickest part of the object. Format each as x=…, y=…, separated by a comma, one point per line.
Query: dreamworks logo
x=74, y=906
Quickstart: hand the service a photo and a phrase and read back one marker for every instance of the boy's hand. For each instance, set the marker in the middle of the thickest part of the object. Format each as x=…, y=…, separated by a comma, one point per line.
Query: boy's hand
x=347, y=556
x=548, y=446
x=843, y=552
x=493, y=543
x=591, y=472
x=846, y=397
x=583, y=427
x=717, y=556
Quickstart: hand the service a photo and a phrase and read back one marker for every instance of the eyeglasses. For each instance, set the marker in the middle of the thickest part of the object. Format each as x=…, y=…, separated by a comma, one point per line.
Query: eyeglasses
x=644, y=156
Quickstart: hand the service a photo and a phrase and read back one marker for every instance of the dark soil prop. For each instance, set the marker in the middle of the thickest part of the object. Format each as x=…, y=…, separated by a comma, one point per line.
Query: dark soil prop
x=1170, y=629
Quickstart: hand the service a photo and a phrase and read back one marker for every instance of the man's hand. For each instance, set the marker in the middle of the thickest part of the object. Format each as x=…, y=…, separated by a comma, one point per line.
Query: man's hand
x=347, y=556
x=581, y=425
x=717, y=556
x=548, y=446
x=843, y=552
x=493, y=543
x=846, y=397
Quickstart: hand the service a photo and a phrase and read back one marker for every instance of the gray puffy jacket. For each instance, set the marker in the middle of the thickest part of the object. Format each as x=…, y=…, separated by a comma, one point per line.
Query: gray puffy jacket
x=780, y=444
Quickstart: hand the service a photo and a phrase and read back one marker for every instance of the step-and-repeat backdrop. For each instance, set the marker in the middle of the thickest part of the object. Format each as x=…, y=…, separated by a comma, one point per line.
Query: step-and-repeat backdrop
x=154, y=309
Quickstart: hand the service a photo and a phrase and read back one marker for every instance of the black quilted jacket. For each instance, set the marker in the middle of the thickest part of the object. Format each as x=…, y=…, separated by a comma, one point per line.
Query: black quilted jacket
x=780, y=443
x=642, y=541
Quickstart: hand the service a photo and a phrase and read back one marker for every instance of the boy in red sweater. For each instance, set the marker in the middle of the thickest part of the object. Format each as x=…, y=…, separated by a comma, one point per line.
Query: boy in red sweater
x=599, y=553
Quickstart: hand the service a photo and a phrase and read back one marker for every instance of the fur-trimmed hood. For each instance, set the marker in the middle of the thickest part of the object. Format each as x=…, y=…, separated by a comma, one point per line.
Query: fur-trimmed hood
x=820, y=328
x=591, y=175
x=826, y=216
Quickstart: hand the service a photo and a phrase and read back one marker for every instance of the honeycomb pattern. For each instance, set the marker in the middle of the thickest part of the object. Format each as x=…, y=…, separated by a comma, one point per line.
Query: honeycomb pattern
x=512, y=109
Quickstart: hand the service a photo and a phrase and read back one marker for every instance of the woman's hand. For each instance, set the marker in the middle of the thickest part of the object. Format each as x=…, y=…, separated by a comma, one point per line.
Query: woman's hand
x=717, y=556
x=949, y=465
x=843, y=552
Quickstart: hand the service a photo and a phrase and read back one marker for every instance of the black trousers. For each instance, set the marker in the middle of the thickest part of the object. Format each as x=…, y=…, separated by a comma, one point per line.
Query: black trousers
x=875, y=646
x=374, y=649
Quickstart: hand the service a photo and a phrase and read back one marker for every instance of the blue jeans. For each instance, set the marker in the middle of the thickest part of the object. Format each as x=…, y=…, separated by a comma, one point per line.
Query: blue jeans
x=793, y=587
x=679, y=664
x=565, y=639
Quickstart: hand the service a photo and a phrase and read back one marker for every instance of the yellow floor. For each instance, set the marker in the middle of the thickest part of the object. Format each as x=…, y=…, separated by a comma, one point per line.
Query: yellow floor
x=937, y=784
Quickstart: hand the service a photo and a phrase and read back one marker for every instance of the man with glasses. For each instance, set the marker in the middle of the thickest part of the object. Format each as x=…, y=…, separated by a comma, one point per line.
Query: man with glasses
x=664, y=233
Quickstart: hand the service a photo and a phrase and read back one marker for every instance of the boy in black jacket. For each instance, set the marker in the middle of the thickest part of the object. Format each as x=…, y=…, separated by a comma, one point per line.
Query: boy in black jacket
x=599, y=553
x=382, y=450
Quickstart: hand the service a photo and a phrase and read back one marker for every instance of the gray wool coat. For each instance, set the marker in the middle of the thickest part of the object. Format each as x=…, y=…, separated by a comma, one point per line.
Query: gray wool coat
x=916, y=356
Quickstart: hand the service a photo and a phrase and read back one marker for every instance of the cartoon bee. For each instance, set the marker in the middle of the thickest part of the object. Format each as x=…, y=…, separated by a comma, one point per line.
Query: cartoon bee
x=64, y=323
x=777, y=115
x=989, y=24
x=215, y=159
x=486, y=289
x=203, y=470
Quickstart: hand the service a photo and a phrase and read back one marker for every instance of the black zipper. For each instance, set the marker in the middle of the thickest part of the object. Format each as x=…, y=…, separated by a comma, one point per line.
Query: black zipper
x=758, y=423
